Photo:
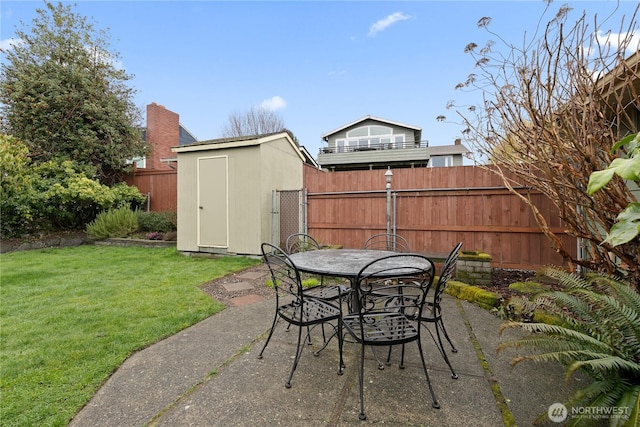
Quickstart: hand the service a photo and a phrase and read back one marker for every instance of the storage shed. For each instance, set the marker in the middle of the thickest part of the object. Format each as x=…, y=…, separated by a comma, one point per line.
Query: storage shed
x=225, y=191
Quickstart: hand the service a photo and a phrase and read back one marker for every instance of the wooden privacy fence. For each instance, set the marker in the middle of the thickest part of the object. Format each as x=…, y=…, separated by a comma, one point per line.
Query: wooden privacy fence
x=160, y=186
x=434, y=208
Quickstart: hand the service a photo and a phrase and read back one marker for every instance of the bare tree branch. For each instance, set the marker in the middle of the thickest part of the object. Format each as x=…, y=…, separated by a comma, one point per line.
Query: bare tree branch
x=552, y=111
x=256, y=121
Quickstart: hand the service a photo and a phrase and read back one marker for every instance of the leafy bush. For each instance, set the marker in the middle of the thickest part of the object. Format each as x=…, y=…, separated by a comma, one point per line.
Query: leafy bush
x=58, y=194
x=627, y=225
x=598, y=333
x=156, y=221
x=127, y=195
x=15, y=186
x=70, y=199
x=119, y=222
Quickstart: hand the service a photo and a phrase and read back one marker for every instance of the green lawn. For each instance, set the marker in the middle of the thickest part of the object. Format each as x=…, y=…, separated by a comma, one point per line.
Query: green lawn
x=69, y=317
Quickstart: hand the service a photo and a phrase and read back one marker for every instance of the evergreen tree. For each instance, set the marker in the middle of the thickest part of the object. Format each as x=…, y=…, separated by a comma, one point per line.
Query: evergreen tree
x=62, y=94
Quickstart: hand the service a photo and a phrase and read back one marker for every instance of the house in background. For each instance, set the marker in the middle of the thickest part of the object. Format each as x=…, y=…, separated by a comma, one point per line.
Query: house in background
x=163, y=132
x=375, y=143
x=155, y=174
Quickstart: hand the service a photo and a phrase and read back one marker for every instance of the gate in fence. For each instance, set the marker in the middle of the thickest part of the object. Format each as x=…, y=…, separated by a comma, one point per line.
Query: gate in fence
x=288, y=215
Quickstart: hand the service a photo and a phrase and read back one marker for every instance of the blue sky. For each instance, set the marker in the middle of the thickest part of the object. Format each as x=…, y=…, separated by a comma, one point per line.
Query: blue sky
x=319, y=65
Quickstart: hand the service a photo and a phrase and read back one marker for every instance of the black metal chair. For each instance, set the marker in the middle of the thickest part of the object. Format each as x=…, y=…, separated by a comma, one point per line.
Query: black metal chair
x=300, y=242
x=432, y=312
x=379, y=324
x=387, y=242
x=298, y=309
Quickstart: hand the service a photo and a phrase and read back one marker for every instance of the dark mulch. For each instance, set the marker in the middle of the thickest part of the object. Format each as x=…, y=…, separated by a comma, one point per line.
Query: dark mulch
x=502, y=278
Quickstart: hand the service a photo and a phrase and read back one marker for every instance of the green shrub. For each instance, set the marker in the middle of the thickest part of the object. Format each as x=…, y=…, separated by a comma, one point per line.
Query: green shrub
x=118, y=222
x=593, y=326
x=156, y=221
x=15, y=187
x=528, y=287
x=483, y=298
x=70, y=199
x=127, y=195
x=52, y=195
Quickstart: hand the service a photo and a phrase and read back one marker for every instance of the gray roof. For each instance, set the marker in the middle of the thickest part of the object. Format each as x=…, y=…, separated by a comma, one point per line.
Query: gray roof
x=447, y=150
x=378, y=119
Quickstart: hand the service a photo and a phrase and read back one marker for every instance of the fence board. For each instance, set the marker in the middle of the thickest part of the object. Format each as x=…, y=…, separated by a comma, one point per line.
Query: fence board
x=159, y=185
x=435, y=208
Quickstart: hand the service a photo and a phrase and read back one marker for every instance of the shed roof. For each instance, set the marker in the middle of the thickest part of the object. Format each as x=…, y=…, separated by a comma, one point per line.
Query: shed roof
x=238, y=142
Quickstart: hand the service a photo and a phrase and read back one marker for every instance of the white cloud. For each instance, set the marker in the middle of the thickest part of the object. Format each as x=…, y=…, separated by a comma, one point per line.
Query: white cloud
x=615, y=40
x=274, y=103
x=383, y=24
x=7, y=44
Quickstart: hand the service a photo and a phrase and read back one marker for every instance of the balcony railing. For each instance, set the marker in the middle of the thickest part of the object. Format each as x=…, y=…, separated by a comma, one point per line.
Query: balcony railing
x=374, y=147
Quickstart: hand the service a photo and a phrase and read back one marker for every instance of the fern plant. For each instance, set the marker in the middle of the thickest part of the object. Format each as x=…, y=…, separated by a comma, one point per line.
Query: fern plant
x=599, y=334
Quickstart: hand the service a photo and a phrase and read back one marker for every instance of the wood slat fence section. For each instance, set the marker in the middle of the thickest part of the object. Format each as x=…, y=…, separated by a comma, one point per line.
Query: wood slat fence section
x=159, y=185
x=434, y=209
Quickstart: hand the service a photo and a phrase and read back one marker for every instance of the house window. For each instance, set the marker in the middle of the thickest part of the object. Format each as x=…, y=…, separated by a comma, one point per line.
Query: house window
x=374, y=137
x=140, y=162
x=379, y=130
x=440, y=161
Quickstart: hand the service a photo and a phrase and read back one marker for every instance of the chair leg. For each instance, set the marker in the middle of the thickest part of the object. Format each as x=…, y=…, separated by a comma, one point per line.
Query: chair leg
x=437, y=340
x=273, y=327
x=296, y=359
x=441, y=347
x=434, y=403
x=325, y=341
x=380, y=364
x=388, y=362
x=362, y=415
x=308, y=333
x=453, y=348
x=324, y=338
x=340, y=346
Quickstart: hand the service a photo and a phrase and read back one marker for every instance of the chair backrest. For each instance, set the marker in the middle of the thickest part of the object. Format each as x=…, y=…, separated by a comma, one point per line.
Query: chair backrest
x=284, y=274
x=446, y=273
x=300, y=242
x=387, y=242
x=398, y=282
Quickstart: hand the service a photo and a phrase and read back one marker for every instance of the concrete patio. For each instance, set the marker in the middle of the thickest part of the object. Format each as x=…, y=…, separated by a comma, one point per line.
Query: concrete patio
x=209, y=375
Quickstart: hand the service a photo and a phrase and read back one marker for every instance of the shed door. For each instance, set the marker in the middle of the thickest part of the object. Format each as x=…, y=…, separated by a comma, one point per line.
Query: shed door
x=213, y=202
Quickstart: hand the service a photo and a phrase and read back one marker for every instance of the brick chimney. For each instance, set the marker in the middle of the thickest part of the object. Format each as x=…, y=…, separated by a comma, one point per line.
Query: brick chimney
x=163, y=132
x=458, y=141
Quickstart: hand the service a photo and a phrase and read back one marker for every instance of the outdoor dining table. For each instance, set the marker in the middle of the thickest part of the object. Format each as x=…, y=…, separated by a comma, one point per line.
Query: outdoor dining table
x=347, y=263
